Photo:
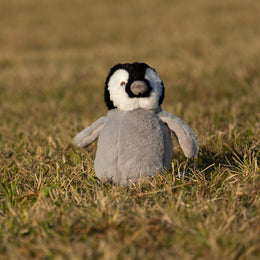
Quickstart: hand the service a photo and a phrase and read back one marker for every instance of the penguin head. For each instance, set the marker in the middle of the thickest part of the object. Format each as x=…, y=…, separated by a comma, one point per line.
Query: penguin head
x=132, y=86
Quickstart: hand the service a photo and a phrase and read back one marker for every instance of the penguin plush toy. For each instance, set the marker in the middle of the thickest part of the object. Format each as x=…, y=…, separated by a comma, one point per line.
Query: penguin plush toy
x=134, y=139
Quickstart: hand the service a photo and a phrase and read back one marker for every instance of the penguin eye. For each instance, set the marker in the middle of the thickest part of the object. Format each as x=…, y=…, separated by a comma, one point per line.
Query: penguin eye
x=122, y=83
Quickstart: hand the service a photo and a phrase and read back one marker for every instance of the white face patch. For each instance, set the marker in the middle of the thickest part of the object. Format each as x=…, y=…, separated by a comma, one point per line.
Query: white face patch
x=120, y=98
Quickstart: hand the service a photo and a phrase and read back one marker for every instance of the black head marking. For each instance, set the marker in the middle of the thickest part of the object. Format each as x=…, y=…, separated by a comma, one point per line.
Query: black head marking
x=136, y=71
x=162, y=96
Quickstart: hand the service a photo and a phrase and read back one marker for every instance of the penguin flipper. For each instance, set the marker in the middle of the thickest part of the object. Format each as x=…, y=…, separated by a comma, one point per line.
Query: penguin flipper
x=90, y=134
x=183, y=132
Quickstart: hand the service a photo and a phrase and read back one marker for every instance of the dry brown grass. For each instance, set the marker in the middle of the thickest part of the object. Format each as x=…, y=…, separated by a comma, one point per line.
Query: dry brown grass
x=54, y=57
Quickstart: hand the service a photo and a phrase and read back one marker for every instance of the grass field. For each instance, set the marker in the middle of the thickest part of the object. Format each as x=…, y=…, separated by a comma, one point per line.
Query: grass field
x=54, y=57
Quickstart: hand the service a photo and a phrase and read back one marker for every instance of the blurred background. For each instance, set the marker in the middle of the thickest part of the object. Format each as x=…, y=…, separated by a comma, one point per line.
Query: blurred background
x=55, y=55
x=54, y=59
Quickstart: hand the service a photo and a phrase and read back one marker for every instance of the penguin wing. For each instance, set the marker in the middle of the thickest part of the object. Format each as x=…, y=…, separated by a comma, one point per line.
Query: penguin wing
x=90, y=134
x=184, y=134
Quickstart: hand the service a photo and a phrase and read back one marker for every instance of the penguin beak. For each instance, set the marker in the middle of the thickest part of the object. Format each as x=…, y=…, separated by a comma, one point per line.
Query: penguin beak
x=139, y=88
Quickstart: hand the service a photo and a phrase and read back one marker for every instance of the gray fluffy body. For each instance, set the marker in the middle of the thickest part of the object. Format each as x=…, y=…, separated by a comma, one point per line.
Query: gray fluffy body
x=136, y=142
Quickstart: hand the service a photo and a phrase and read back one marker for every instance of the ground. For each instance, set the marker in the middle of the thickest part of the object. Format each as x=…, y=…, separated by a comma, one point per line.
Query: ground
x=54, y=58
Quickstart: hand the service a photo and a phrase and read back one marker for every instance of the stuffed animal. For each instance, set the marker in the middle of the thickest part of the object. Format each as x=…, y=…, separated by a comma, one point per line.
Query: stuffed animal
x=134, y=139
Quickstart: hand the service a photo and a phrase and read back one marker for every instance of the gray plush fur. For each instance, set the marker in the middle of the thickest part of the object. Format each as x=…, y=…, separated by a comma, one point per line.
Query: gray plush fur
x=90, y=134
x=184, y=134
x=134, y=139
x=136, y=143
